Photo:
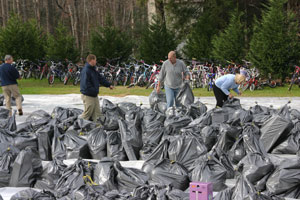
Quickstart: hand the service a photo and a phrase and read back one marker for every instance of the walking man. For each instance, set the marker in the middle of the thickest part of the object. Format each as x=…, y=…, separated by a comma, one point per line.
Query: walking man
x=173, y=72
x=9, y=75
x=90, y=82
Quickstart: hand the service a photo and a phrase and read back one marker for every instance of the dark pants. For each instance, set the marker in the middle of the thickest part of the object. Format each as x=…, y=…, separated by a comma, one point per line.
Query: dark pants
x=220, y=96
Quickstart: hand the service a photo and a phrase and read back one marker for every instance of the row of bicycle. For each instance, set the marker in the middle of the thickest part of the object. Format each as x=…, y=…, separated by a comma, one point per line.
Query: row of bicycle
x=138, y=73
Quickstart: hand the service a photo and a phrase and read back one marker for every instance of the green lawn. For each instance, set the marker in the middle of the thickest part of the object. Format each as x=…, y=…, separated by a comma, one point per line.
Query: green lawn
x=42, y=87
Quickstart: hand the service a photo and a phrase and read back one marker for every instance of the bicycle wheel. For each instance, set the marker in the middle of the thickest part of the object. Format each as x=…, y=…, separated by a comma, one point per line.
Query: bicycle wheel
x=28, y=75
x=272, y=84
x=76, y=80
x=244, y=86
x=66, y=79
x=51, y=79
x=42, y=75
x=252, y=87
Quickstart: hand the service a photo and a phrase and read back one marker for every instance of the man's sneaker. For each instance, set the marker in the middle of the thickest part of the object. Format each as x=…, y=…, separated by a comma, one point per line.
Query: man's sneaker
x=20, y=112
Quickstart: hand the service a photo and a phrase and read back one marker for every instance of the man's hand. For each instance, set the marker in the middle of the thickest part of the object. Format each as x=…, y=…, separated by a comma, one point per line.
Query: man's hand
x=157, y=90
x=240, y=94
x=111, y=87
x=230, y=96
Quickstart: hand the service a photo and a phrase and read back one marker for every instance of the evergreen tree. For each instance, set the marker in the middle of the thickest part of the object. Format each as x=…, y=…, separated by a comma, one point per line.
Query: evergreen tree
x=275, y=44
x=215, y=17
x=22, y=40
x=109, y=42
x=156, y=42
x=230, y=43
x=62, y=45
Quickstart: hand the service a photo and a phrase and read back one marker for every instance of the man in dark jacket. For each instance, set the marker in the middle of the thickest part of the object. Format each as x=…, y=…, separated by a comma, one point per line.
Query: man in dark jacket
x=9, y=75
x=90, y=82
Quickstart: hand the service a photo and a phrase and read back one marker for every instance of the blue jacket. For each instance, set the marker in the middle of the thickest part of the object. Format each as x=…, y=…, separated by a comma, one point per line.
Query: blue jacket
x=8, y=74
x=90, y=81
x=227, y=82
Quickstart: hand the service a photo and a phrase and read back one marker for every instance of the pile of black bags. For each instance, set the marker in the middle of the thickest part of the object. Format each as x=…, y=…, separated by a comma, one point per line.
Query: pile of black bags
x=178, y=145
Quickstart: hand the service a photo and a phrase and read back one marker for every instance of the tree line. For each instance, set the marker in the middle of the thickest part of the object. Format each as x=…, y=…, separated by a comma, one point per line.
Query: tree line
x=265, y=32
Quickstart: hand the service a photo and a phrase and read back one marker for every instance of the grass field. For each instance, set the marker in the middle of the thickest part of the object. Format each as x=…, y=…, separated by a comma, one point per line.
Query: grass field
x=33, y=86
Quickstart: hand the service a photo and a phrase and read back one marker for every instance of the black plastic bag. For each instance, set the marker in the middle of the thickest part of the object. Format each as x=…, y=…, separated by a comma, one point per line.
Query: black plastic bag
x=8, y=154
x=291, y=144
x=224, y=194
x=147, y=150
x=45, y=138
x=72, y=179
x=153, y=133
x=129, y=178
x=285, y=177
x=6, y=136
x=115, y=148
x=32, y=194
x=159, y=153
x=221, y=115
x=92, y=192
x=24, y=128
x=233, y=103
x=251, y=140
x=242, y=189
x=83, y=126
x=275, y=130
x=58, y=148
x=155, y=98
x=227, y=137
x=255, y=166
x=26, y=168
x=131, y=139
x=51, y=174
x=174, y=123
x=105, y=173
x=150, y=116
x=237, y=152
x=110, y=115
x=4, y=113
x=161, y=107
x=76, y=147
x=9, y=123
x=23, y=141
x=97, y=143
x=241, y=116
x=64, y=113
x=185, y=150
x=196, y=109
x=167, y=172
x=185, y=96
x=38, y=119
x=208, y=169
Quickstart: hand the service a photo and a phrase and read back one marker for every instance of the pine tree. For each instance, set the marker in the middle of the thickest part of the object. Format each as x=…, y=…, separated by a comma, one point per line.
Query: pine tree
x=156, y=42
x=109, y=42
x=275, y=44
x=22, y=40
x=62, y=45
x=215, y=17
x=230, y=43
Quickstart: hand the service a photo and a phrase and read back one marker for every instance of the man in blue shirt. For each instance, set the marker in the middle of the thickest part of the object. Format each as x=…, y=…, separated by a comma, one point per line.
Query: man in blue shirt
x=90, y=82
x=224, y=84
x=9, y=75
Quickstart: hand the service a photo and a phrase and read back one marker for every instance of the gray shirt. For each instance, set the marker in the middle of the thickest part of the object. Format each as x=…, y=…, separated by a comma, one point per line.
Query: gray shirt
x=171, y=74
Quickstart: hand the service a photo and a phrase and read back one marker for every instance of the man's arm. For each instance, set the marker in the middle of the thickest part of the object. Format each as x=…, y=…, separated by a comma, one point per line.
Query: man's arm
x=185, y=71
x=103, y=81
x=16, y=73
x=161, y=77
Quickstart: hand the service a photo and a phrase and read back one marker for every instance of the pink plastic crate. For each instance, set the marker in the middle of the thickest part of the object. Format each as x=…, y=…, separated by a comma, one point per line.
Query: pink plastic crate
x=201, y=191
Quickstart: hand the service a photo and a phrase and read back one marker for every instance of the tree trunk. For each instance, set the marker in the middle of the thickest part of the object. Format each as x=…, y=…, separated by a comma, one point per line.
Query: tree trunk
x=24, y=10
x=76, y=23
x=3, y=13
x=18, y=7
x=38, y=13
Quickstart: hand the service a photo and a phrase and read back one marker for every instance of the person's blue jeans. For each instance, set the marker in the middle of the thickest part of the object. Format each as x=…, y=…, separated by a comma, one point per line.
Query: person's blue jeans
x=171, y=96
